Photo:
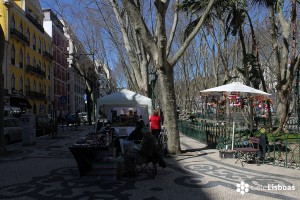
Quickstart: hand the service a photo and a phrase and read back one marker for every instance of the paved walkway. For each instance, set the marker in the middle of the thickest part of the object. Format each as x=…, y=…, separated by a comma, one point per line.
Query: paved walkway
x=49, y=171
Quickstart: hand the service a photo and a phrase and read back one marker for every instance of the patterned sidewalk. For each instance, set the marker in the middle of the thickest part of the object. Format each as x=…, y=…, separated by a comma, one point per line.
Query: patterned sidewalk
x=49, y=171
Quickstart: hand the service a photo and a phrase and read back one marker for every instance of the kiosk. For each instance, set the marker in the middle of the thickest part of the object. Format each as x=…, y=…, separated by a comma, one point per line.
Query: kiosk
x=122, y=109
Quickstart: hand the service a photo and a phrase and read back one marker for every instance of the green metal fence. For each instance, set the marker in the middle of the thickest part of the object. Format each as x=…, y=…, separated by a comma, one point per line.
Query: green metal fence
x=281, y=150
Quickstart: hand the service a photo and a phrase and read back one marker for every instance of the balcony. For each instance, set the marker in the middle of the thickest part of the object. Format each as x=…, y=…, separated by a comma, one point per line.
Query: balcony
x=36, y=95
x=18, y=35
x=35, y=70
x=46, y=54
x=35, y=22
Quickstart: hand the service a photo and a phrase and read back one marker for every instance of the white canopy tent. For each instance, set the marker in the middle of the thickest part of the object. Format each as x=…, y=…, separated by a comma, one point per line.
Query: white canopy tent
x=123, y=100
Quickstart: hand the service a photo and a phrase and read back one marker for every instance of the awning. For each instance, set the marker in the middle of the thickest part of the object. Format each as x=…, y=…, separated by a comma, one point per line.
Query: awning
x=20, y=102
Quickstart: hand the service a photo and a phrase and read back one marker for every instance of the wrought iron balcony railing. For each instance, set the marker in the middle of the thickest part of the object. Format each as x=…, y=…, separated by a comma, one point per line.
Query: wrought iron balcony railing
x=46, y=54
x=35, y=70
x=35, y=95
x=35, y=22
x=14, y=32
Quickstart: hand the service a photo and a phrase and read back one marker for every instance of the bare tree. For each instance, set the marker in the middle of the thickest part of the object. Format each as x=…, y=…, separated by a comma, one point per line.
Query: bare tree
x=286, y=62
x=156, y=46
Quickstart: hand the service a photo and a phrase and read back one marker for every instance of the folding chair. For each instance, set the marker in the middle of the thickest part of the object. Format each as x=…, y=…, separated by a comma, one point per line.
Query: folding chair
x=147, y=165
x=249, y=153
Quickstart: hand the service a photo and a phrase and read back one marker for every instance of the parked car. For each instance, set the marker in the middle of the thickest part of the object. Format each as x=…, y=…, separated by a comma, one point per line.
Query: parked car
x=12, y=130
x=83, y=117
x=71, y=119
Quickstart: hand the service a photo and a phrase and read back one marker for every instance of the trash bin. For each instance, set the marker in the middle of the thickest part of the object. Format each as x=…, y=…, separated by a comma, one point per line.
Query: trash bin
x=28, y=129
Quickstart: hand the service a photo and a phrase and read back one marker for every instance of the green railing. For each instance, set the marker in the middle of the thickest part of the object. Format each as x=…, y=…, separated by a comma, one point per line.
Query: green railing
x=212, y=134
x=281, y=149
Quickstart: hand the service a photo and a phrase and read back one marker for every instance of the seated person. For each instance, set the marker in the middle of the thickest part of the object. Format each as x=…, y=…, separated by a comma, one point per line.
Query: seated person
x=149, y=146
x=136, y=134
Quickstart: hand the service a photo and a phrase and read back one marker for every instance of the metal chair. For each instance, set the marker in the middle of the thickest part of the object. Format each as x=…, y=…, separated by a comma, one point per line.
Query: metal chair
x=147, y=165
x=249, y=153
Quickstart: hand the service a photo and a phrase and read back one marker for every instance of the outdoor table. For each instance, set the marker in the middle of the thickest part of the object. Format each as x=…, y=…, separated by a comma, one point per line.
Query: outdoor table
x=86, y=154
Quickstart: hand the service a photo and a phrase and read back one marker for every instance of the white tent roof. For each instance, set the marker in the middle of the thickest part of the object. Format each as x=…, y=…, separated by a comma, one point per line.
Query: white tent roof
x=235, y=87
x=125, y=98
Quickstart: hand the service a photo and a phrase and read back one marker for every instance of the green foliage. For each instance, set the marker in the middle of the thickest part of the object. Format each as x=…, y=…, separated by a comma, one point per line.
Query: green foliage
x=195, y=7
x=192, y=6
x=234, y=21
x=251, y=62
x=266, y=3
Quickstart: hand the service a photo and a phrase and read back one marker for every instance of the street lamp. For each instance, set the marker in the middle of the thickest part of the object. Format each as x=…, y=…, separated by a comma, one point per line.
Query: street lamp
x=153, y=77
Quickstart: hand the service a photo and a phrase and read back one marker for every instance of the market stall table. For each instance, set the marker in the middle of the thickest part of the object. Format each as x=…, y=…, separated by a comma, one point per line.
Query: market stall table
x=86, y=155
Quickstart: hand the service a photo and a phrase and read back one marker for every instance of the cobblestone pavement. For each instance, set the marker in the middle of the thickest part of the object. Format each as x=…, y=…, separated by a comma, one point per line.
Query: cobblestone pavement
x=49, y=171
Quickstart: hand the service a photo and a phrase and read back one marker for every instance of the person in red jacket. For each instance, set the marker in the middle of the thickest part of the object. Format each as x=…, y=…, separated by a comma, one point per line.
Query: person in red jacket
x=155, y=124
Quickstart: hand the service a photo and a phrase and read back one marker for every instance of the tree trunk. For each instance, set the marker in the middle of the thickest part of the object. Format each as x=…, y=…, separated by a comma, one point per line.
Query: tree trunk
x=88, y=106
x=282, y=109
x=169, y=109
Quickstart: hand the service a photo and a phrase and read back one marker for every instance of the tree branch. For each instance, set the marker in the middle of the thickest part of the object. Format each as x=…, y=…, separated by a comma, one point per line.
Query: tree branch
x=172, y=33
x=89, y=81
x=140, y=27
x=186, y=43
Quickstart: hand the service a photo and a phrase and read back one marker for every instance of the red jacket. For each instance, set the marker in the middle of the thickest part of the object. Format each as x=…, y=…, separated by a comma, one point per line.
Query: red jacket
x=155, y=122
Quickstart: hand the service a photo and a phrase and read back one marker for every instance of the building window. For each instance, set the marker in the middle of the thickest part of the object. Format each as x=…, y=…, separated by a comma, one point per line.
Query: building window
x=34, y=108
x=40, y=86
x=28, y=87
x=13, y=82
x=40, y=45
x=34, y=42
x=28, y=36
x=21, y=59
x=28, y=60
x=39, y=65
x=21, y=85
x=49, y=72
x=44, y=67
x=13, y=22
x=34, y=62
x=21, y=27
x=13, y=55
x=45, y=47
x=34, y=86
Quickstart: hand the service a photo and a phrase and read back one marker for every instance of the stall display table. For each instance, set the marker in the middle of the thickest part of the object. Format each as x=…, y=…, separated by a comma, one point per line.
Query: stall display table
x=86, y=155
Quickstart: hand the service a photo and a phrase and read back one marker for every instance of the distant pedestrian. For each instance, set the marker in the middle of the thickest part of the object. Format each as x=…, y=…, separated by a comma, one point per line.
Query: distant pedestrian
x=155, y=122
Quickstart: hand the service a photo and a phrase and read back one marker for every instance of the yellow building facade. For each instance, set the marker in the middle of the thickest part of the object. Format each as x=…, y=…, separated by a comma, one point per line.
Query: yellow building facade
x=27, y=66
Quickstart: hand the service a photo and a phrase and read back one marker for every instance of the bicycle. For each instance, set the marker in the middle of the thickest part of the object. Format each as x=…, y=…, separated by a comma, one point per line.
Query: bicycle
x=162, y=141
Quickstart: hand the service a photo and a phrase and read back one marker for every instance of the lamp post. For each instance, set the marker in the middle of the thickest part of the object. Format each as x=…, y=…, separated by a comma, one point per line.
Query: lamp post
x=153, y=77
